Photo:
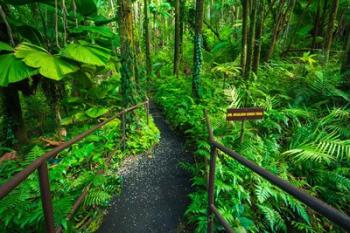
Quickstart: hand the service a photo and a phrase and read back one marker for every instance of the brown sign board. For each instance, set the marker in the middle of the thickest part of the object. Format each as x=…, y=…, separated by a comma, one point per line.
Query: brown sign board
x=241, y=114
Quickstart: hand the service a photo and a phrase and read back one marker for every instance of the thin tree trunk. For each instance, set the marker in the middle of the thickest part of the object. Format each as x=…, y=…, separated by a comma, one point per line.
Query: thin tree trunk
x=330, y=29
x=246, y=7
x=147, y=40
x=56, y=25
x=197, y=57
x=301, y=18
x=14, y=113
x=136, y=44
x=251, y=42
x=282, y=19
x=44, y=24
x=345, y=69
x=75, y=13
x=317, y=26
x=275, y=32
x=177, y=38
x=8, y=27
x=64, y=21
x=258, y=38
x=127, y=70
x=182, y=24
x=53, y=95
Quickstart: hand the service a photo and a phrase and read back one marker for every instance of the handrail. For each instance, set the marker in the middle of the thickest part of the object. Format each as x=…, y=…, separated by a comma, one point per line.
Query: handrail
x=40, y=164
x=319, y=206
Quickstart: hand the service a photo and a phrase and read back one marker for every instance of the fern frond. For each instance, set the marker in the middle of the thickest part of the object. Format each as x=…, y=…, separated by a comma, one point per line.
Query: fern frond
x=97, y=197
x=274, y=219
x=34, y=153
x=302, y=227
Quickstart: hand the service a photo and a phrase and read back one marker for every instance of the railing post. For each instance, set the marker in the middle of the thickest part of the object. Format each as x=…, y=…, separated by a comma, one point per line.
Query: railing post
x=211, y=188
x=46, y=197
x=123, y=130
x=147, y=111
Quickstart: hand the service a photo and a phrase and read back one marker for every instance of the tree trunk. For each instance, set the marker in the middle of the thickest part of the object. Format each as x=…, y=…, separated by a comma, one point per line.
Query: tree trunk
x=53, y=95
x=275, y=32
x=330, y=29
x=245, y=4
x=127, y=70
x=177, y=38
x=13, y=116
x=258, y=37
x=281, y=20
x=197, y=56
x=345, y=69
x=8, y=27
x=298, y=24
x=147, y=40
x=13, y=111
x=251, y=42
x=182, y=24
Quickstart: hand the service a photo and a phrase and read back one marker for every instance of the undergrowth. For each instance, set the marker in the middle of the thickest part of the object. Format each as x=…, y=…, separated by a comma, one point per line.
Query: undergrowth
x=92, y=163
x=303, y=138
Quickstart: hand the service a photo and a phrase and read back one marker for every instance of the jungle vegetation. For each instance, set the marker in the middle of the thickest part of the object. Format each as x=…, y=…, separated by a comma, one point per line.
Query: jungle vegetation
x=65, y=64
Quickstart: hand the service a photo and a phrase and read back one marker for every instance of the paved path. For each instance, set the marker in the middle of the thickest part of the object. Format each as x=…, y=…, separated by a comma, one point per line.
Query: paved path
x=154, y=192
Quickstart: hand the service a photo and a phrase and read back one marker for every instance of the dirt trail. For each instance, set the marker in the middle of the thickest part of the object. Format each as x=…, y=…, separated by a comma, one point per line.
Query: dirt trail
x=154, y=192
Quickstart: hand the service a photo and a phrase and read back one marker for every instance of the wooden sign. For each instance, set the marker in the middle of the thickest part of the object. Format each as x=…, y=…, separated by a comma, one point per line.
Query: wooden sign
x=244, y=114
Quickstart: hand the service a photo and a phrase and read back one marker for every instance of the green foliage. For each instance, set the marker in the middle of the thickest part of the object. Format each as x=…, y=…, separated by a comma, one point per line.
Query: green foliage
x=13, y=70
x=288, y=142
x=70, y=173
x=96, y=112
x=87, y=53
x=5, y=47
x=50, y=66
x=102, y=31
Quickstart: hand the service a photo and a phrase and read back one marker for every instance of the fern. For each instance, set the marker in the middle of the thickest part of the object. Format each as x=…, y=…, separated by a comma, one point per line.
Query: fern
x=325, y=148
x=274, y=219
x=302, y=227
x=229, y=69
x=263, y=192
x=34, y=153
x=97, y=198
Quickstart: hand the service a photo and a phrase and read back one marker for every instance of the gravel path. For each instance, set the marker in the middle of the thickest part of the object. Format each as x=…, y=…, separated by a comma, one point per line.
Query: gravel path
x=154, y=192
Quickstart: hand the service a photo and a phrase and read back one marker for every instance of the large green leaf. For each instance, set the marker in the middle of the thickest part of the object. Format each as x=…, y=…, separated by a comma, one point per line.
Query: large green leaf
x=13, y=70
x=5, y=47
x=50, y=66
x=102, y=31
x=87, y=53
x=101, y=20
x=95, y=112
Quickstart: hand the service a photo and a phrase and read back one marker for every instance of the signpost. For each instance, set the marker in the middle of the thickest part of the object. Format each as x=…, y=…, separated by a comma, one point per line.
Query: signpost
x=242, y=114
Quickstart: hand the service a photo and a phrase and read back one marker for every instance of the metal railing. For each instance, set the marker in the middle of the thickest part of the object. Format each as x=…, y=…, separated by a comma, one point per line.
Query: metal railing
x=317, y=205
x=40, y=164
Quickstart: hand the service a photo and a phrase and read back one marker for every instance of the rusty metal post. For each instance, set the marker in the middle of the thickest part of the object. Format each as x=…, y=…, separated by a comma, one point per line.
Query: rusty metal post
x=147, y=111
x=46, y=197
x=123, y=130
x=211, y=189
x=241, y=135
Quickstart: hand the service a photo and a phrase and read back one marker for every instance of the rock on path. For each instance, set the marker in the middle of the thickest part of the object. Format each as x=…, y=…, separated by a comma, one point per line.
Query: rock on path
x=154, y=190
